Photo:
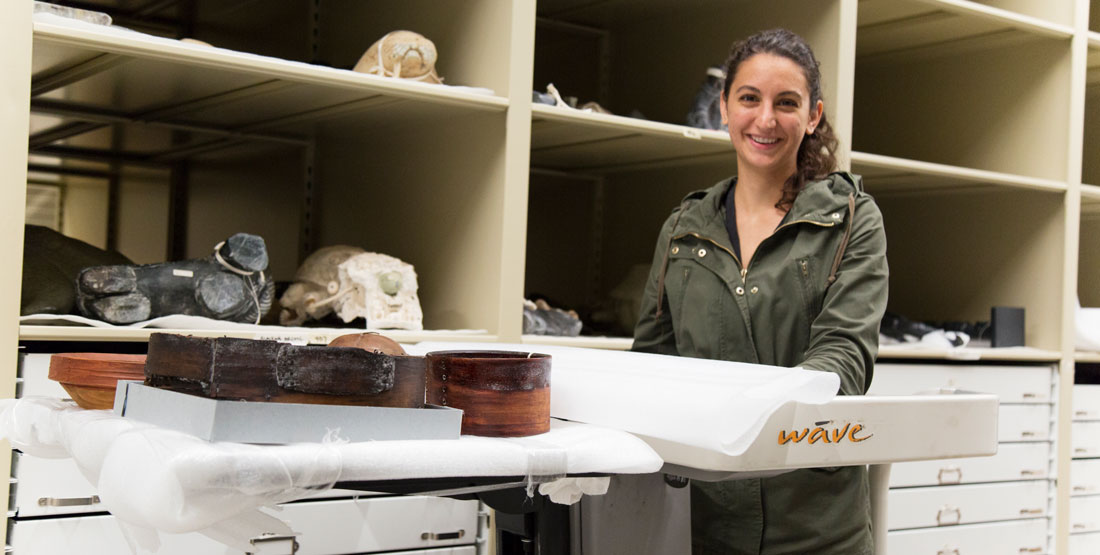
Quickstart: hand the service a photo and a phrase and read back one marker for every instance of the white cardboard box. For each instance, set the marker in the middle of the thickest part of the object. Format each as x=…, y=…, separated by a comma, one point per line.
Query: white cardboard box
x=276, y=423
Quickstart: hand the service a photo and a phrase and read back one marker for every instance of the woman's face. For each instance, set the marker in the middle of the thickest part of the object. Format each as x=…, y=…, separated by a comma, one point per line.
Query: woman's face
x=769, y=112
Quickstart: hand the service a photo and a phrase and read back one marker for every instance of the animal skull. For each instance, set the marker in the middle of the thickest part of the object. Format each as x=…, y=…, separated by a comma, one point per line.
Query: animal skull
x=316, y=283
x=353, y=283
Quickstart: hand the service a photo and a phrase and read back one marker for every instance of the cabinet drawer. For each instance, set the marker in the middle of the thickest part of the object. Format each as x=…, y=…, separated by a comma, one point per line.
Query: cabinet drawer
x=949, y=505
x=1086, y=439
x=1020, y=537
x=387, y=523
x=36, y=378
x=1023, y=423
x=1086, y=402
x=1085, y=477
x=1084, y=514
x=324, y=527
x=1013, y=461
x=50, y=487
x=1084, y=544
x=1013, y=384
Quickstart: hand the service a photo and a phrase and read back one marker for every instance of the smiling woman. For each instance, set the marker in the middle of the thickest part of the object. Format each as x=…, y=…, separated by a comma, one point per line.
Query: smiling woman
x=784, y=265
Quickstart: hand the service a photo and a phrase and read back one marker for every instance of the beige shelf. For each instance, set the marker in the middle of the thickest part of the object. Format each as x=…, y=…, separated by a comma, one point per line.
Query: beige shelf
x=1018, y=354
x=271, y=333
x=891, y=174
x=103, y=72
x=1094, y=40
x=912, y=29
x=917, y=62
x=1092, y=66
x=1090, y=200
x=573, y=140
x=1086, y=356
x=610, y=343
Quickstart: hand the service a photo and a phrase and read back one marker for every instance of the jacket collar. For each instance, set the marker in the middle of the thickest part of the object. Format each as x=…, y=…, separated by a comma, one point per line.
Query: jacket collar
x=823, y=202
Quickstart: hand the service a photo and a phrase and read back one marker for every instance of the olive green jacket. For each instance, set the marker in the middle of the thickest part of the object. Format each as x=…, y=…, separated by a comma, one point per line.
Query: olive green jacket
x=812, y=296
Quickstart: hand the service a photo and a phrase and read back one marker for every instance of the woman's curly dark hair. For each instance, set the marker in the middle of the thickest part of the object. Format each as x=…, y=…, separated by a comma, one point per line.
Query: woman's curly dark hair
x=817, y=153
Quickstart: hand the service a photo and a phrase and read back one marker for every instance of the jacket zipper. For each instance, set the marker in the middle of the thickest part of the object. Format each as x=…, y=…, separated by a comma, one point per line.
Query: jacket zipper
x=745, y=270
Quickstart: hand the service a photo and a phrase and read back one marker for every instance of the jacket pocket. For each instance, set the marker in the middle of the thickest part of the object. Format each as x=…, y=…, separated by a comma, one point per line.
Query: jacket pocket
x=811, y=297
x=678, y=292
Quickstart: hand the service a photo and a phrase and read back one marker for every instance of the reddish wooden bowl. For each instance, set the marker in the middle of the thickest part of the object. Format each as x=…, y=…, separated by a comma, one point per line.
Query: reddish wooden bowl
x=90, y=378
x=501, y=393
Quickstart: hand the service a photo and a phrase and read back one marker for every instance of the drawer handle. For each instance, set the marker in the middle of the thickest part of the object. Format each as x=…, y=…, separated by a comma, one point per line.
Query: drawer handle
x=1031, y=511
x=947, y=472
x=271, y=538
x=1032, y=472
x=945, y=551
x=1080, y=488
x=1081, y=450
x=1026, y=433
x=67, y=501
x=443, y=536
x=1081, y=413
x=1031, y=550
x=946, y=510
x=1031, y=395
x=1079, y=526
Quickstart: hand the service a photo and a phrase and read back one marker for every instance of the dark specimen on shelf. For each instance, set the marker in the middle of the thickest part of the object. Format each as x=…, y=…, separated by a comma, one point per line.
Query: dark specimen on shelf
x=539, y=318
x=51, y=262
x=257, y=370
x=230, y=284
x=706, y=106
x=897, y=329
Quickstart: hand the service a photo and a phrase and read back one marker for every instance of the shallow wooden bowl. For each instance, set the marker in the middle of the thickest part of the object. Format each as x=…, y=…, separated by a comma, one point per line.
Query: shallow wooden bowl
x=501, y=393
x=90, y=378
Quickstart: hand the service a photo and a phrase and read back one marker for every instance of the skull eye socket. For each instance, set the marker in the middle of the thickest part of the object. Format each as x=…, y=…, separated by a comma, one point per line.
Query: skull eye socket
x=390, y=283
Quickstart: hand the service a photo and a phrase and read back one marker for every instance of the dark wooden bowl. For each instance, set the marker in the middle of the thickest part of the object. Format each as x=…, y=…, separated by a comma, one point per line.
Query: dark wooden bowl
x=90, y=378
x=501, y=393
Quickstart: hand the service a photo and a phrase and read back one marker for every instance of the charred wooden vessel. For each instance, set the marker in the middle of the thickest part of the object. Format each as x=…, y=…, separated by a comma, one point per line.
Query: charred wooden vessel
x=256, y=370
x=501, y=393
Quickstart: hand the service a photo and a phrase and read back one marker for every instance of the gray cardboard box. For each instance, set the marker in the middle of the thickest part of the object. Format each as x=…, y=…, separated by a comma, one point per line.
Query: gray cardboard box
x=275, y=423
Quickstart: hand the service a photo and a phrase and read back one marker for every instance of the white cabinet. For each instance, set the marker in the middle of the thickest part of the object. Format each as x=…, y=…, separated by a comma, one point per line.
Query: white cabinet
x=1013, y=384
x=1085, y=476
x=323, y=528
x=966, y=504
x=1086, y=402
x=1084, y=505
x=997, y=504
x=1020, y=537
x=1017, y=461
x=1084, y=513
x=49, y=487
x=1084, y=544
x=1086, y=439
x=1024, y=423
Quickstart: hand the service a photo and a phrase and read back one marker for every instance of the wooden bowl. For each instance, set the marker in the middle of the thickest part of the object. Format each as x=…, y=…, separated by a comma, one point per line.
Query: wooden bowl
x=90, y=378
x=501, y=393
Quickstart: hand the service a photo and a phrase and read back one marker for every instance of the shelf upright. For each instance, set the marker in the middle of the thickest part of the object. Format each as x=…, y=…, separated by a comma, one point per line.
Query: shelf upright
x=1079, y=54
x=15, y=88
